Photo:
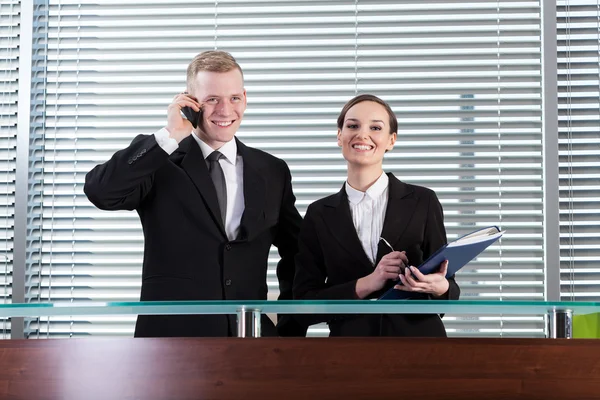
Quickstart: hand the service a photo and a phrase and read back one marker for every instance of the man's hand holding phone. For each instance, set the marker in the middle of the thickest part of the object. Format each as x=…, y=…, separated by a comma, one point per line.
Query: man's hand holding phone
x=179, y=127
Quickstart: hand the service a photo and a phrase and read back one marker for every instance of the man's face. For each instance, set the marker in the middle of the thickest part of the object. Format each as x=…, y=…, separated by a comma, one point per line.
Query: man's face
x=224, y=102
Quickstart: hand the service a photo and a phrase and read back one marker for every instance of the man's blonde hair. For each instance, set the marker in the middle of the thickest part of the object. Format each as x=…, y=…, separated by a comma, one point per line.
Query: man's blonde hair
x=213, y=61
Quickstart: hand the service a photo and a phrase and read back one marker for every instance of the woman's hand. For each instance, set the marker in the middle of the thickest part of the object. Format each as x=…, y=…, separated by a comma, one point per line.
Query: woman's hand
x=389, y=267
x=435, y=284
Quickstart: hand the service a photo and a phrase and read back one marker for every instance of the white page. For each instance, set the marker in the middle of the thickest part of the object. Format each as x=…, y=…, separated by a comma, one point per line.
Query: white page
x=475, y=239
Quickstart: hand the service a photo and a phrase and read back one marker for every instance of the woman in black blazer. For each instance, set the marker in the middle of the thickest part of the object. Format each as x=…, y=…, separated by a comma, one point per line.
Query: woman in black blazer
x=357, y=243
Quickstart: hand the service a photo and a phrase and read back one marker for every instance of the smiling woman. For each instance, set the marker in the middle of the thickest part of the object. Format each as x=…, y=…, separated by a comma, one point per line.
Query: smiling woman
x=347, y=239
x=367, y=129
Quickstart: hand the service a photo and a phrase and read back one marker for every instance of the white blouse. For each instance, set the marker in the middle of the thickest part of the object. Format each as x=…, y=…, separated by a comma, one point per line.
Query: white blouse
x=368, y=213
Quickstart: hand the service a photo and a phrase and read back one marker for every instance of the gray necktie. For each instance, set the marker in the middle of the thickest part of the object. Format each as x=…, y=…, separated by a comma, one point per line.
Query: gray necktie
x=218, y=178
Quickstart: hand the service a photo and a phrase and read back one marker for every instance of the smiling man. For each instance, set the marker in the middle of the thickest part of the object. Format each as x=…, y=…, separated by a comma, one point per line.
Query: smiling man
x=210, y=206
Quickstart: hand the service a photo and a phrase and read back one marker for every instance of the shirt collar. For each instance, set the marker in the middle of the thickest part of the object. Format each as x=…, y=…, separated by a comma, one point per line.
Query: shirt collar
x=376, y=190
x=229, y=149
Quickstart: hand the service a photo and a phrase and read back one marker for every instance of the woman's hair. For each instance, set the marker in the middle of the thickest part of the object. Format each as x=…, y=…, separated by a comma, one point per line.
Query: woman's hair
x=368, y=97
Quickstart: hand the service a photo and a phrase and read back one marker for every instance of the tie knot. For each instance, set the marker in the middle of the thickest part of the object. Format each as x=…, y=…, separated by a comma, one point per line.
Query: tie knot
x=215, y=156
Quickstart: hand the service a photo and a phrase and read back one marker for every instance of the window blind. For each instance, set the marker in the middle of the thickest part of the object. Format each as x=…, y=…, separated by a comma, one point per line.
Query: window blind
x=464, y=79
x=9, y=62
x=578, y=57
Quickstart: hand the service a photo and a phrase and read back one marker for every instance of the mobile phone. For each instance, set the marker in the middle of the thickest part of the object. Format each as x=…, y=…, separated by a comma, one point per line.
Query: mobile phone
x=192, y=116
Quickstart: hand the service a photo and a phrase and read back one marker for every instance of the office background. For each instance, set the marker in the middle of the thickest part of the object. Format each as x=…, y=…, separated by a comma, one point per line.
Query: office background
x=497, y=102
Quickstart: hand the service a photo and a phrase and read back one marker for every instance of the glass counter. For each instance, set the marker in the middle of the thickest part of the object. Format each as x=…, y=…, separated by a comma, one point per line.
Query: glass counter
x=559, y=314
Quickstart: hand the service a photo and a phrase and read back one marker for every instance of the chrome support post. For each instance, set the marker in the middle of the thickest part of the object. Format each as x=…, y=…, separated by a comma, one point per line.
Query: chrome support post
x=248, y=322
x=560, y=324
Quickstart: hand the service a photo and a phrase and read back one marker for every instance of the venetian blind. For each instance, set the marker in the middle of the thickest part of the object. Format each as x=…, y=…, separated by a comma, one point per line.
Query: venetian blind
x=9, y=62
x=463, y=77
x=578, y=46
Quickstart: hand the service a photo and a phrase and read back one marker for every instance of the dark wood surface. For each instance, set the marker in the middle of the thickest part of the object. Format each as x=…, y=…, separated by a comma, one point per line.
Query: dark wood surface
x=318, y=368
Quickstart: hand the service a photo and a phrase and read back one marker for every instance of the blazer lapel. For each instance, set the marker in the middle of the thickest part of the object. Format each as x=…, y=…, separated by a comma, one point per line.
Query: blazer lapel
x=398, y=213
x=339, y=222
x=255, y=192
x=194, y=165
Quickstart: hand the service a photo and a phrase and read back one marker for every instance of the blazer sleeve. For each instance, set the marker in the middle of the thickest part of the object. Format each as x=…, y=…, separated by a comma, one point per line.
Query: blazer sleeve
x=122, y=182
x=286, y=241
x=435, y=237
x=311, y=282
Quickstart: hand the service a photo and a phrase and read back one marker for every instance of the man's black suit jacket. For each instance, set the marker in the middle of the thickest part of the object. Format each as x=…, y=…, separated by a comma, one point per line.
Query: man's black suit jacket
x=187, y=255
x=331, y=258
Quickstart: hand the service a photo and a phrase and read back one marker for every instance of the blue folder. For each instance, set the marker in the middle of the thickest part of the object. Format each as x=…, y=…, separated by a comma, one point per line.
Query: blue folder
x=458, y=253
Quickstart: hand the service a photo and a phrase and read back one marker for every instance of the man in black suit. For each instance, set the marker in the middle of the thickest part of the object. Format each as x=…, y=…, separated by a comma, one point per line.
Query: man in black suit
x=210, y=206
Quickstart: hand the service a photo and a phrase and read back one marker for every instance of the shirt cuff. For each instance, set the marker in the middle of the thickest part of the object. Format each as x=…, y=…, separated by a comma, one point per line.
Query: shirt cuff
x=168, y=144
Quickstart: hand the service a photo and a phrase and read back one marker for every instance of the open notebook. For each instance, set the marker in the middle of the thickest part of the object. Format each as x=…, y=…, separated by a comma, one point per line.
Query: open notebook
x=458, y=253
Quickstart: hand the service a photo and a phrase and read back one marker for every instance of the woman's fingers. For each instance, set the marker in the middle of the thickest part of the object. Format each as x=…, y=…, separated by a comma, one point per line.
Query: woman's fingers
x=403, y=257
x=410, y=280
x=398, y=260
x=444, y=268
x=414, y=271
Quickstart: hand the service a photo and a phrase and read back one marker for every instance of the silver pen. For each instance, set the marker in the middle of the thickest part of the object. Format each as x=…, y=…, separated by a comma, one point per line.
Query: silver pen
x=390, y=246
x=386, y=243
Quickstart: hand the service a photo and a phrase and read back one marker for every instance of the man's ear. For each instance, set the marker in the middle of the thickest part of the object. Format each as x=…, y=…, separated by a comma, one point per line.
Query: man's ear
x=392, y=142
x=339, y=138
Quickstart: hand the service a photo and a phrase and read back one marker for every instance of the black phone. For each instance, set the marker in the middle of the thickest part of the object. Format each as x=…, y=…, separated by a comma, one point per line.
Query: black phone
x=192, y=116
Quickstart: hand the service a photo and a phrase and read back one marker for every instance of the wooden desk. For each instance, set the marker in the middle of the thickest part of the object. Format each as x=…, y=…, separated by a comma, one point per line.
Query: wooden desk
x=289, y=369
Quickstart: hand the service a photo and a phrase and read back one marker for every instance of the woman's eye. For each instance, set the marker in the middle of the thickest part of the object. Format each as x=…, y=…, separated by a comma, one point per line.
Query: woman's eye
x=351, y=126
x=376, y=128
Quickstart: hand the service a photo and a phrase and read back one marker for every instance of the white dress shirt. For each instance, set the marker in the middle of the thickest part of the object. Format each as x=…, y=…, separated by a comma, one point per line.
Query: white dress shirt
x=368, y=213
x=233, y=169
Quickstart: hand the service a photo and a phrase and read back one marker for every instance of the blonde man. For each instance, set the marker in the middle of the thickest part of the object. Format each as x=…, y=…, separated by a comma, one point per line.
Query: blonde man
x=210, y=206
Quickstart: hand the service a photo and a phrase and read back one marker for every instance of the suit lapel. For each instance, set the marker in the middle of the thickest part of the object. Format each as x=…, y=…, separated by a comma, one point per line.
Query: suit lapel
x=255, y=192
x=194, y=165
x=400, y=208
x=339, y=221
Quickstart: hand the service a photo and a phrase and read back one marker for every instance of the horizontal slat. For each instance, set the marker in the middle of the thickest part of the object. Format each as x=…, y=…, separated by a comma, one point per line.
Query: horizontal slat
x=579, y=123
x=464, y=79
x=9, y=70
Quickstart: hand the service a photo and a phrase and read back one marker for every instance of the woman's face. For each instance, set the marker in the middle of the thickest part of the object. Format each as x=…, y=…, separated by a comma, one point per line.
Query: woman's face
x=365, y=135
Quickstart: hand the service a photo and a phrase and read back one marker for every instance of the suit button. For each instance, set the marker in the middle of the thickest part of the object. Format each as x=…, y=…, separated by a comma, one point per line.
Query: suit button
x=227, y=247
x=228, y=282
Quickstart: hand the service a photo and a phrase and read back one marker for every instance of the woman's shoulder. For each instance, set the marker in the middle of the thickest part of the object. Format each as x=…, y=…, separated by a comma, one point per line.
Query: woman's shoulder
x=331, y=200
x=325, y=204
x=417, y=190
